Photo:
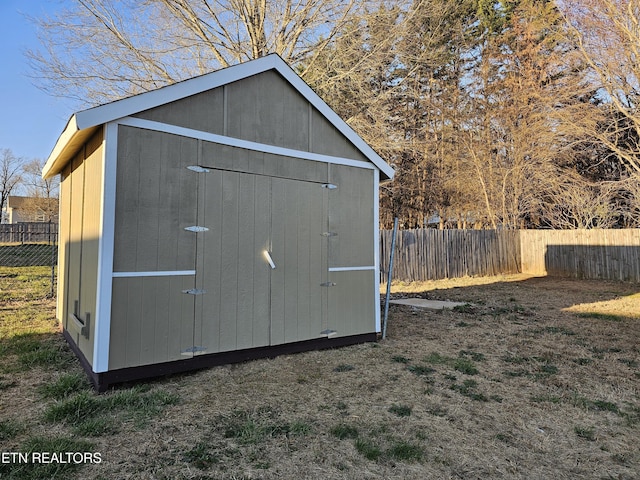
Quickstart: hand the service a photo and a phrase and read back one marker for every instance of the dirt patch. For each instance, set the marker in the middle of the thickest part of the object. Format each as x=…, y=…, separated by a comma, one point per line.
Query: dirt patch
x=516, y=383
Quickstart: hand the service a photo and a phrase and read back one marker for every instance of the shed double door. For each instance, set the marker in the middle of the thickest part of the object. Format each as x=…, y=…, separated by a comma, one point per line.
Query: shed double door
x=261, y=263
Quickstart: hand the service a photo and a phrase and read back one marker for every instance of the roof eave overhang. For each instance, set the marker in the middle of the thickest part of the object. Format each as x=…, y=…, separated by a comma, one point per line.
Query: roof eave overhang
x=70, y=141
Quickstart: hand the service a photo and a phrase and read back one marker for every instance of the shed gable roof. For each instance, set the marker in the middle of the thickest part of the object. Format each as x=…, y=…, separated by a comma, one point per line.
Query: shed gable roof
x=83, y=124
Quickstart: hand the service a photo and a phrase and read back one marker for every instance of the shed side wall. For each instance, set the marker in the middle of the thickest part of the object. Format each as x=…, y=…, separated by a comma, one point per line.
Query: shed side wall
x=81, y=193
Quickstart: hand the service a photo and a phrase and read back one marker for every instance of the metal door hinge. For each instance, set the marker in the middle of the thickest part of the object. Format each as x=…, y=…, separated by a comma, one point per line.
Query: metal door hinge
x=330, y=186
x=192, y=350
x=198, y=169
x=328, y=333
x=328, y=284
x=197, y=229
x=329, y=234
x=194, y=291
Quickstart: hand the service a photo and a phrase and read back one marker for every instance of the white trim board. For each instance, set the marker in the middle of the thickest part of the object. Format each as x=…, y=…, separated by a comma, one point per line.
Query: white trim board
x=376, y=248
x=166, y=273
x=352, y=269
x=104, y=287
x=236, y=142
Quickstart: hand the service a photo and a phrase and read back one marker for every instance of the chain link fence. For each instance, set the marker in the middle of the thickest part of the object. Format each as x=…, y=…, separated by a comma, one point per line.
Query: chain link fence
x=28, y=249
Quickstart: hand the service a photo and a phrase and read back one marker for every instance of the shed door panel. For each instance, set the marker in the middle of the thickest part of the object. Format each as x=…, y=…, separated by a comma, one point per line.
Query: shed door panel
x=353, y=300
x=351, y=217
x=234, y=311
x=298, y=248
x=248, y=304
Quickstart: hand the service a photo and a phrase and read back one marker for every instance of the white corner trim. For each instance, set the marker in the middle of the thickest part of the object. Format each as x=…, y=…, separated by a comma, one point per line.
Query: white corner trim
x=376, y=246
x=102, y=330
x=159, y=273
x=239, y=143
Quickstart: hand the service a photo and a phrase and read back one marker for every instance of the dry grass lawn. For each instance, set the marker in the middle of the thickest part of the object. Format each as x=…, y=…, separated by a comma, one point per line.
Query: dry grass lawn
x=535, y=378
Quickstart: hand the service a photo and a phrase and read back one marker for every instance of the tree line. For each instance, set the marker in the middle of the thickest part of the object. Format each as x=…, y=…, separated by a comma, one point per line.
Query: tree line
x=494, y=114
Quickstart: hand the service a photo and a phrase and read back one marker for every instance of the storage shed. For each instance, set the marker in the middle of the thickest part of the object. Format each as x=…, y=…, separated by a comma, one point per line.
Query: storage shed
x=223, y=218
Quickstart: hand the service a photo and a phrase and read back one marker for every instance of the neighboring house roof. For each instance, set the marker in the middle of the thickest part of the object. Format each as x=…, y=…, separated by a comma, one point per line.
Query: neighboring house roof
x=83, y=124
x=26, y=209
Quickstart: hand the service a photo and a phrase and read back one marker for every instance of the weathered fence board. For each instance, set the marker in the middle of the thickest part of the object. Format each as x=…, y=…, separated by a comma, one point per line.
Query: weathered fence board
x=428, y=254
x=593, y=254
x=434, y=254
x=34, y=232
x=28, y=244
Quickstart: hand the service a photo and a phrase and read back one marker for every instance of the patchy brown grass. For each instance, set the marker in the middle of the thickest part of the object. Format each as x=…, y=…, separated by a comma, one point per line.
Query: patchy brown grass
x=535, y=378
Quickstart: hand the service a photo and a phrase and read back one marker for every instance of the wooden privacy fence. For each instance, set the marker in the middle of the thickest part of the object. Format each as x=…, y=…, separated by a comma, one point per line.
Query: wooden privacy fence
x=428, y=254
x=35, y=232
x=594, y=254
x=435, y=254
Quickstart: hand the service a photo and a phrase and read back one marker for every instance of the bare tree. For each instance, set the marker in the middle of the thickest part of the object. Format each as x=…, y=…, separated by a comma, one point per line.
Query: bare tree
x=42, y=203
x=608, y=35
x=10, y=177
x=571, y=202
x=99, y=50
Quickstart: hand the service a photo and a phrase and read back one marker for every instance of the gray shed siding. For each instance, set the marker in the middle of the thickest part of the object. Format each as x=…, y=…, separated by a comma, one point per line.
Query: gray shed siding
x=264, y=109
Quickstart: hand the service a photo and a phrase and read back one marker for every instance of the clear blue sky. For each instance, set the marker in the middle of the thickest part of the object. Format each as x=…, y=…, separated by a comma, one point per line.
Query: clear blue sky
x=30, y=120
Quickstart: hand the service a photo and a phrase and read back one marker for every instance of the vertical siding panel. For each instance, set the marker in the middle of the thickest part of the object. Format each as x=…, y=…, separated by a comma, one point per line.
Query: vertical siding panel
x=161, y=326
x=74, y=279
x=126, y=218
x=181, y=312
x=246, y=261
x=119, y=322
x=210, y=272
x=278, y=236
x=229, y=267
x=292, y=216
x=308, y=227
x=262, y=208
x=295, y=125
x=148, y=319
x=203, y=111
x=134, y=323
x=91, y=230
x=177, y=204
x=64, y=246
x=149, y=198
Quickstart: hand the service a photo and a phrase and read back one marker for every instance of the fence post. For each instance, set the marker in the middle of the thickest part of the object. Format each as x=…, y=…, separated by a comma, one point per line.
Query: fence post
x=53, y=242
x=390, y=273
